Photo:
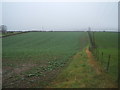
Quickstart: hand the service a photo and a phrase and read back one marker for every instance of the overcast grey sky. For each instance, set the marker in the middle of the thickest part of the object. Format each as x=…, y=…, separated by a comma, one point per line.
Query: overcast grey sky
x=60, y=15
x=0, y=13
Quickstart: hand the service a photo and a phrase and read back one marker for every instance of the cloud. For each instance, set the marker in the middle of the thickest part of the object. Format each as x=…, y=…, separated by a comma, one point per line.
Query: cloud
x=60, y=16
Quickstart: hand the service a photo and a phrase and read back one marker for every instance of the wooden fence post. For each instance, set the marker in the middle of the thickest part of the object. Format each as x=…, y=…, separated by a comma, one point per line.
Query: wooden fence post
x=98, y=54
x=102, y=57
x=108, y=62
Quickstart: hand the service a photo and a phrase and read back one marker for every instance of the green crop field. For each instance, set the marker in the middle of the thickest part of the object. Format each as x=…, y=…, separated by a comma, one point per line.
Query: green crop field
x=59, y=59
x=38, y=54
x=107, y=43
x=84, y=73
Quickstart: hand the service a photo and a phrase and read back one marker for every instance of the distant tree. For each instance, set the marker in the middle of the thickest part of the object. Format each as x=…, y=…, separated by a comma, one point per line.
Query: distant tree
x=89, y=29
x=3, y=29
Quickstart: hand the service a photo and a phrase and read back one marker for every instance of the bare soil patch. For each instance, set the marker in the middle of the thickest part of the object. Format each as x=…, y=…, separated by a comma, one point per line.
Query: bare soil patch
x=10, y=74
x=93, y=62
x=18, y=77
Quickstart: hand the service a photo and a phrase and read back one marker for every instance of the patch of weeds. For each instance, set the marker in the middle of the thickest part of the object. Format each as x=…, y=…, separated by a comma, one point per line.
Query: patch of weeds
x=30, y=75
x=83, y=65
x=35, y=74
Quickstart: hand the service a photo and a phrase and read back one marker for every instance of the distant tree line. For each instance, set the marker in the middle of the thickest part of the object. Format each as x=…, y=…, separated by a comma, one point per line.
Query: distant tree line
x=3, y=29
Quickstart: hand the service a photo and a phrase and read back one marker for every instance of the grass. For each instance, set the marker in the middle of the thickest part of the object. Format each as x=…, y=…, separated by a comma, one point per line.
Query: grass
x=58, y=59
x=0, y=34
x=80, y=74
x=107, y=43
x=37, y=55
x=71, y=77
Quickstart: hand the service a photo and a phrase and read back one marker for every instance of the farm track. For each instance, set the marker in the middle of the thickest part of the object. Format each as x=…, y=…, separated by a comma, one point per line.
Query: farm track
x=94, y=63
x=100, y=71
x=47, y=50
x=83, y=73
